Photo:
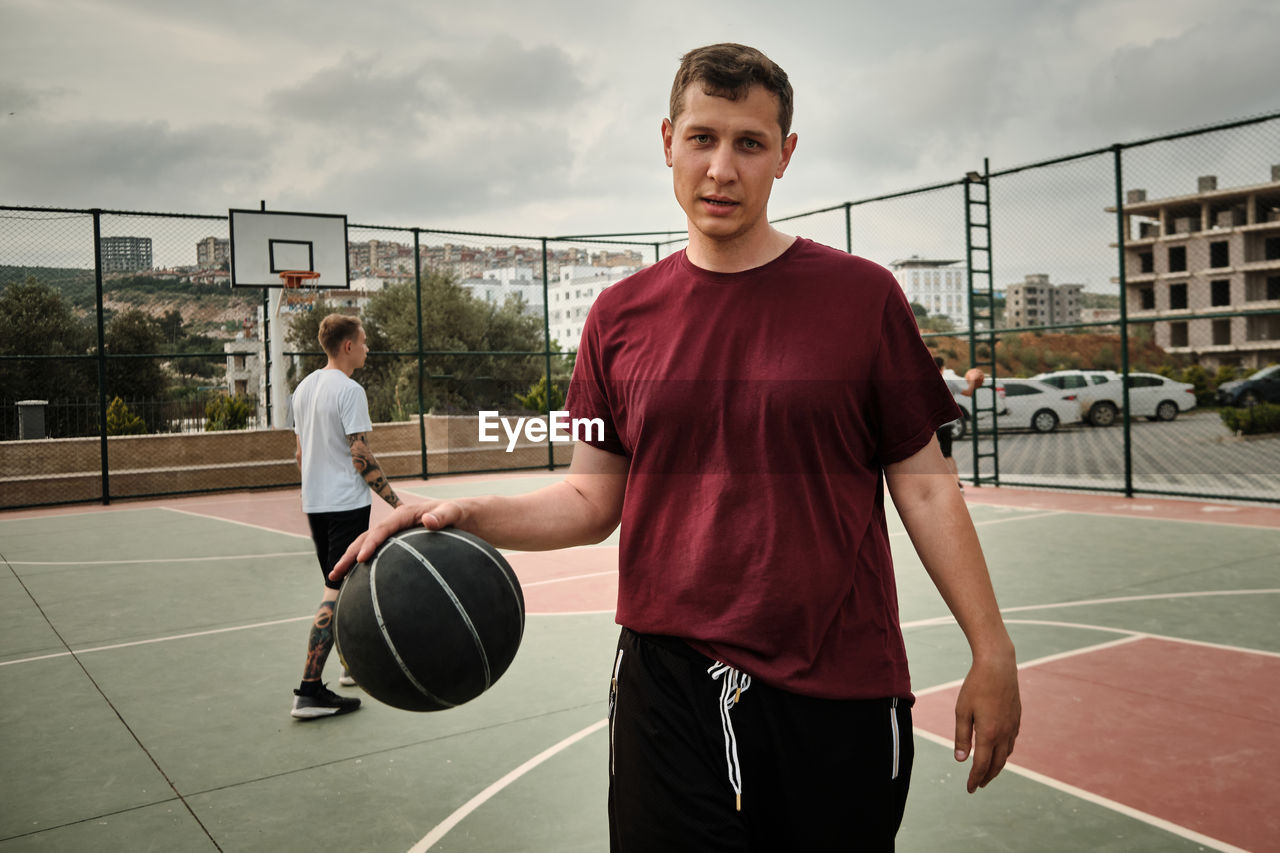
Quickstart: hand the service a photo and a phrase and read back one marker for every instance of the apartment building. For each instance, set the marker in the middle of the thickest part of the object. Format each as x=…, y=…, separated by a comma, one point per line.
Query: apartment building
x=495, y=285
x=571, y=297
x=126, y=254
x=940, y=286
x=244, y=366
x=1035, y=301
x=212, y=253
x=1191, y=257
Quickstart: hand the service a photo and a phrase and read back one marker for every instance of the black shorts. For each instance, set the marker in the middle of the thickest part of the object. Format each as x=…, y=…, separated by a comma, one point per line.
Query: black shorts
x=944, y=439
x=333, y=532
x=692, y=769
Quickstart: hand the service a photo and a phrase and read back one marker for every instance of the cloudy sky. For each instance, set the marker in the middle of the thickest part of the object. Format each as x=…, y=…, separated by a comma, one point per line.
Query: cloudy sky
x=542, y=118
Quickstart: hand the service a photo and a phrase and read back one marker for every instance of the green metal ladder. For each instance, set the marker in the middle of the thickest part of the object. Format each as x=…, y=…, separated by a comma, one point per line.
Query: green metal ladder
x=982, y=322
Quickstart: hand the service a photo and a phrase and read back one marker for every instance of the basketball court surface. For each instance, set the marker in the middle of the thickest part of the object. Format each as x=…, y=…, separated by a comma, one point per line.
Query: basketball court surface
x=149, y=650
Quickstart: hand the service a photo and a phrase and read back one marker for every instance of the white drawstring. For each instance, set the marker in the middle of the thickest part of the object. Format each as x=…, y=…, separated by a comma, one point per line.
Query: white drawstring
x=731, y=690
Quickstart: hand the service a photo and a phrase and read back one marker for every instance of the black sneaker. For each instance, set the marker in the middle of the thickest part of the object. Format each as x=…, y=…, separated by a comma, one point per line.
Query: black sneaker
x=325, y=703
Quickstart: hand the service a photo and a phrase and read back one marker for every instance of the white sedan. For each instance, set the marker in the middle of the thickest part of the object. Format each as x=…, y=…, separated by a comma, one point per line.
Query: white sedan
x=1159, y=397
x=1035, y=405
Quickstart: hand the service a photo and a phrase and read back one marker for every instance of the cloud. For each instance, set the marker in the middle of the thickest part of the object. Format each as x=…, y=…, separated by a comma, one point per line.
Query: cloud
x=353, y=97
x=500, y=80
x=96, y=163
x=1221, y=68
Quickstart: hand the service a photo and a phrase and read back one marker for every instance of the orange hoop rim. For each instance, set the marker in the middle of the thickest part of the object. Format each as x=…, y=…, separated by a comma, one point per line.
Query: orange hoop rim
x=294, y=278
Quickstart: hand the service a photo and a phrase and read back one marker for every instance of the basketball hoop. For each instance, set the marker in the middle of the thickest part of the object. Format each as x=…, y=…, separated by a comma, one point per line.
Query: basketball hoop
x=300, y=289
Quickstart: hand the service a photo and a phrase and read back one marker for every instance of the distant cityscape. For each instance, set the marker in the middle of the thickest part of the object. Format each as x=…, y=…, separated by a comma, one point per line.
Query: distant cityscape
x=1187, y=258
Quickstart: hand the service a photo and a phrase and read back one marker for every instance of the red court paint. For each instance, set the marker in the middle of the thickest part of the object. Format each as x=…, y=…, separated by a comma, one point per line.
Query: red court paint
x=1187, y=733
x=575, y=580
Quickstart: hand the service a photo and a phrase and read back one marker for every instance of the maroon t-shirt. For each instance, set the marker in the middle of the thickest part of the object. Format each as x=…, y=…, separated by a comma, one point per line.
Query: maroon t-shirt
x=758, y=410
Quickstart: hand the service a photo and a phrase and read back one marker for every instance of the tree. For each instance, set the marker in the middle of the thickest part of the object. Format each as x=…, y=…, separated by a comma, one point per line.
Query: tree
x=35, y=320
x=228, y=412
x=467, y=341
x=133, y=332
x=121, y=421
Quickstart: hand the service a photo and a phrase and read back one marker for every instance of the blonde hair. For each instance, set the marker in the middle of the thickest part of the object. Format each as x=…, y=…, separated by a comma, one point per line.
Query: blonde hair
x=335, y=330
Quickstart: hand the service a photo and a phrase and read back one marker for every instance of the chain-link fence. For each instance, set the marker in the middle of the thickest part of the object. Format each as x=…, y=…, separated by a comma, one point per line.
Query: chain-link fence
x=1142, y=281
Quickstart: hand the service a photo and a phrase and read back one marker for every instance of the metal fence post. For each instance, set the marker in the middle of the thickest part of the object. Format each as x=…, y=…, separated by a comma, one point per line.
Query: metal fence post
x=417, y=283
x=546, y=354
x=102, y=354
x=848, y=227
x=1117, y=152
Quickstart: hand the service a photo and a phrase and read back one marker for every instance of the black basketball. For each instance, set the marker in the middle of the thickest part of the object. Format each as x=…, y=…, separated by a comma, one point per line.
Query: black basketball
x=432, y=621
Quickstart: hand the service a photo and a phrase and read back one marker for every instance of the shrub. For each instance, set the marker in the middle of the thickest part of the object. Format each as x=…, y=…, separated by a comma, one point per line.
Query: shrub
x=536, y=399
x=228, y=412
x=1252, y=420
x=121, y=421
x=1198, y=377
x=1226, y=373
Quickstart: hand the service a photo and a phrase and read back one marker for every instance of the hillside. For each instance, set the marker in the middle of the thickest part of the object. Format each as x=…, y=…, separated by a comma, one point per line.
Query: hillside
x=206, y=309
x=1029, y=353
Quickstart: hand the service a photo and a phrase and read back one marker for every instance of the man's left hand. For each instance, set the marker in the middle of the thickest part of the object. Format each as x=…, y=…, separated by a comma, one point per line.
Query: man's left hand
x=988, y=714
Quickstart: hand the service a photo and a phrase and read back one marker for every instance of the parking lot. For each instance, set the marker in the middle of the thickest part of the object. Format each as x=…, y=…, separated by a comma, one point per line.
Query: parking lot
x=1193, y=453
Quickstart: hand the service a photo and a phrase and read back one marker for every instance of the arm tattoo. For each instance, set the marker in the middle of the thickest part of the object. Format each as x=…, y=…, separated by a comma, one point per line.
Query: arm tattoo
x=367, y=466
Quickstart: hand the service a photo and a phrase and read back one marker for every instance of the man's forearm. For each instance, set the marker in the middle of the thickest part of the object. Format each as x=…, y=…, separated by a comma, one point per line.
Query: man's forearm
x=943, y=535
x=367, y=466
x=936, y=518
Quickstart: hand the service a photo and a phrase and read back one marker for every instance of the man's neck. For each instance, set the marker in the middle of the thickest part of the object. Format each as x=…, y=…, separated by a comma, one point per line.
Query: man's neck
x=738, y=255
x=339, y=365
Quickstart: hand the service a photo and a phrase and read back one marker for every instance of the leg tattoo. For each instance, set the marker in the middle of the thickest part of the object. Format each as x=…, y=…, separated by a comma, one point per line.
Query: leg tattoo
x=319, y=643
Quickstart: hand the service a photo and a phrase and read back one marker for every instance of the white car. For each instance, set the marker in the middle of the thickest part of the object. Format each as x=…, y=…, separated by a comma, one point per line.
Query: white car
x=983, y=394
x=1159, y=397
x=1038, y=405
x=1099, y=393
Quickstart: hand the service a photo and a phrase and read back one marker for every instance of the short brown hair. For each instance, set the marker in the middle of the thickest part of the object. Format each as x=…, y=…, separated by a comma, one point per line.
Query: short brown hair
x=335, y=329
x=729, y=71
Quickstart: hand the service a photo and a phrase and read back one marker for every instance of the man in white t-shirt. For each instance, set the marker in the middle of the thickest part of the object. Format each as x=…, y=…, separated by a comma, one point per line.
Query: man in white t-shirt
x=332, y=425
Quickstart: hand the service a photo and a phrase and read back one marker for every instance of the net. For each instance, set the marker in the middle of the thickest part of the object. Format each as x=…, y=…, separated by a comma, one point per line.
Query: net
x=300, y=291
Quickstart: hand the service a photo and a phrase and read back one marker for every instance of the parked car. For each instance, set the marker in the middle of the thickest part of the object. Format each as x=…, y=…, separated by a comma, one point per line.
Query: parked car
x=983, y=395
x=1261, y=387
x=1039, y=406
x=1099, y=392
x=1159, y=397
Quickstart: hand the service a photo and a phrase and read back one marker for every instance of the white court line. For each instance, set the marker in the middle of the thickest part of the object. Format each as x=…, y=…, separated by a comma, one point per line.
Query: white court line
x=992, y=521
x=570, y=578
x=441, y=829
x=1155, y=596
x=1150, y=597
x=207, y=517
x=160, y=639
x=1096, y=799
x=157, y=559
x=573, y=613
x=1083, y=650
x=1143, y=635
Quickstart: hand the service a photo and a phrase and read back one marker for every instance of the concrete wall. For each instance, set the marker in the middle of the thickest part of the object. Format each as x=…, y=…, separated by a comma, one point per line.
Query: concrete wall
x=60, y=470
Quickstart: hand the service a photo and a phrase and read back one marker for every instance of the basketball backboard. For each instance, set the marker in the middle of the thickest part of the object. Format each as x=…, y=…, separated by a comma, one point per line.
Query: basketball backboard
x=265, y=243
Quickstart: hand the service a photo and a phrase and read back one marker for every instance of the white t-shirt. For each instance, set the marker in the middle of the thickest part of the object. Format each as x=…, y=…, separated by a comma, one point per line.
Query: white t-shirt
x=327, y=407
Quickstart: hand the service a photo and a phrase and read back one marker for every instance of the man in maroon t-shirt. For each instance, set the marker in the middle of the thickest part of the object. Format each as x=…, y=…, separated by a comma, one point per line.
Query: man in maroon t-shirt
x=758, y=392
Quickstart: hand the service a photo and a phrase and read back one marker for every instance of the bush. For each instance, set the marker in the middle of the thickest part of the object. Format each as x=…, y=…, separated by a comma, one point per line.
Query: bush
x=121, y=421
x=1198, y=378
x=228, y=412
x=1226, y=373
x=1252, y=420
x=536, y=399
